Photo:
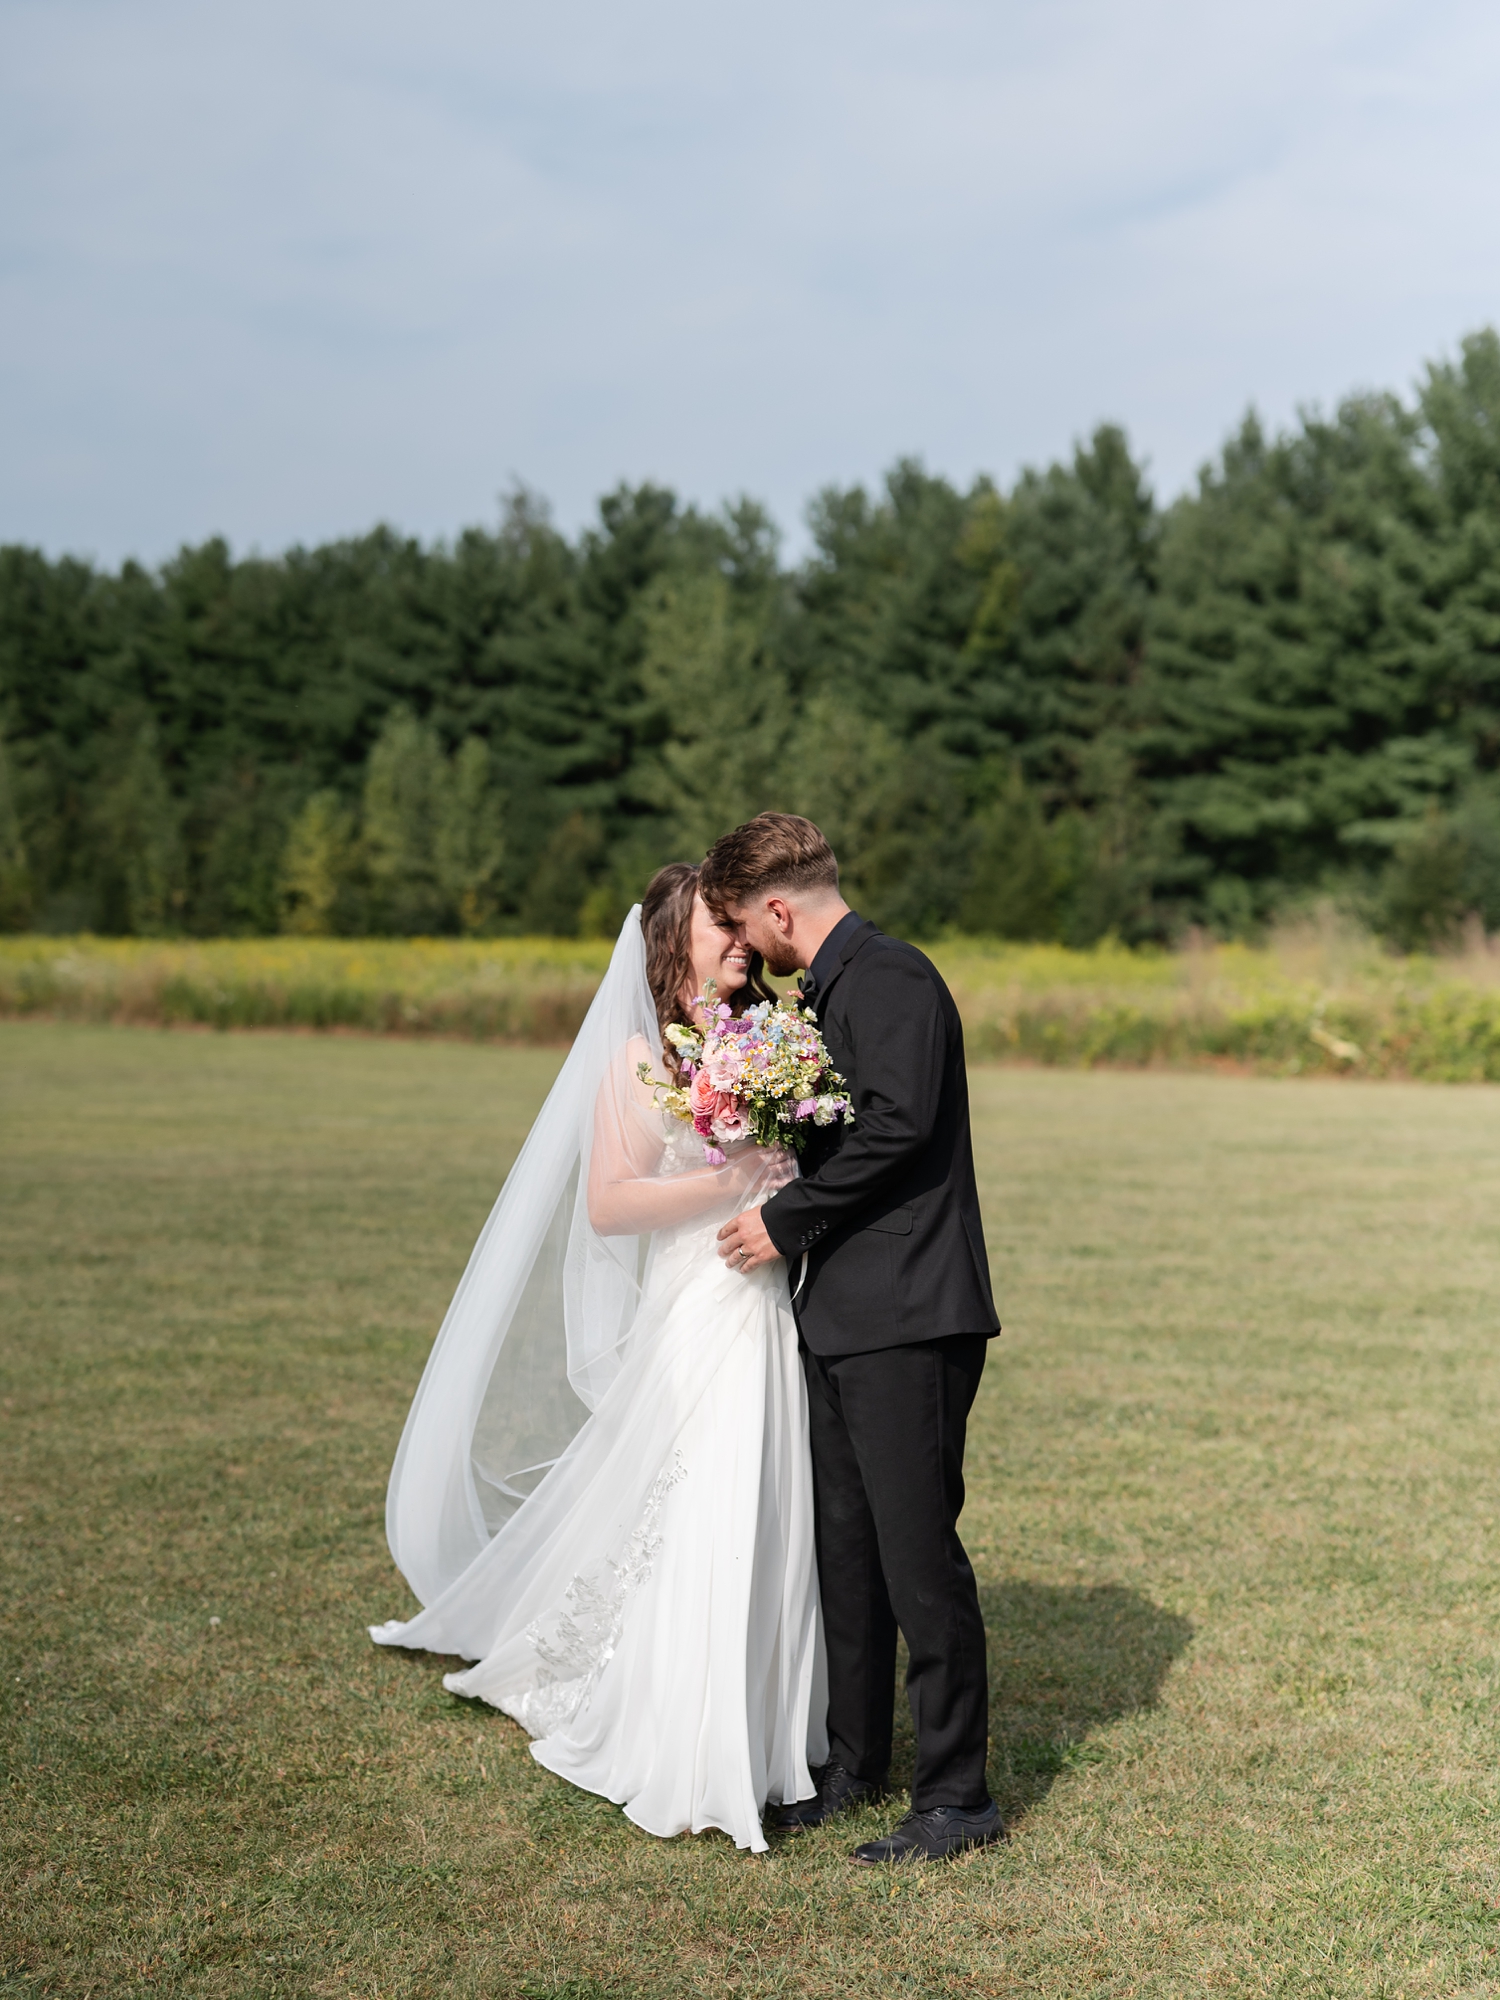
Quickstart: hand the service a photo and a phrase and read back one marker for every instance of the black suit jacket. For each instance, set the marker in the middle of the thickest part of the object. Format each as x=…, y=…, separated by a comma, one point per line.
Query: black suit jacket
x=887, y=1210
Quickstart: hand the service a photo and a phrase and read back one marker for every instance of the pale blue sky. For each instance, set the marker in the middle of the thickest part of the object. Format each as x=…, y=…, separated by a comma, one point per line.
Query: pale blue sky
x=282, y=271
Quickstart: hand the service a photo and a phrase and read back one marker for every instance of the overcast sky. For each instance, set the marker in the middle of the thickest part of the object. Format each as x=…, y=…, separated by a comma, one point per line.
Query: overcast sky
x=280, y=271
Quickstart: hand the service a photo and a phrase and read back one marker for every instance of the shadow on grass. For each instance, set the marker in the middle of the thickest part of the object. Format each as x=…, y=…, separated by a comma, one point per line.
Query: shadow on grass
x=1065, y=1661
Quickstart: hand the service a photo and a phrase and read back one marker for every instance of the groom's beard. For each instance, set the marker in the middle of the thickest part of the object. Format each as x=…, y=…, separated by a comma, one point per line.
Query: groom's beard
x=779, y=962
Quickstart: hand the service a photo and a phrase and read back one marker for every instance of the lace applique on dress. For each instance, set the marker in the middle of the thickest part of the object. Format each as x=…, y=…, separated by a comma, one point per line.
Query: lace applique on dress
x=682, y=1149
x=577, y=1643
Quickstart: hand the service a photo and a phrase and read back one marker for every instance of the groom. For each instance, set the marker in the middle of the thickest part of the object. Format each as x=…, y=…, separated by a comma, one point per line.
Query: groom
x=883, y=1237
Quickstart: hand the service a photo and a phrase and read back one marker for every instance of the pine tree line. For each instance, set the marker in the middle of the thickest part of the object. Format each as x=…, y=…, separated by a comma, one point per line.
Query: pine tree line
x=1055, y=712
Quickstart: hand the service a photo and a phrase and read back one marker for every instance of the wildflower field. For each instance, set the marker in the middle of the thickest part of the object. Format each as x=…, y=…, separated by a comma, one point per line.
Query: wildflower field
x=1317, y=999
x=531, y=991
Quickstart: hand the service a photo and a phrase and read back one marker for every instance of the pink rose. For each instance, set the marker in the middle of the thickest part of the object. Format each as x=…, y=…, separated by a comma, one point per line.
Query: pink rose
x=730, y=1121
x=716, y=1113
x=724, y=1067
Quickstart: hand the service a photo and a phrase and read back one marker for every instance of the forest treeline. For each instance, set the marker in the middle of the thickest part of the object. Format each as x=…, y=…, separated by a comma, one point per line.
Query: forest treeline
x=1058, y=712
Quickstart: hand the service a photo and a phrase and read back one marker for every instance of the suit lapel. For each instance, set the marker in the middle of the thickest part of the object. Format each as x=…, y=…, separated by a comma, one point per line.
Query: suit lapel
x=853, y=944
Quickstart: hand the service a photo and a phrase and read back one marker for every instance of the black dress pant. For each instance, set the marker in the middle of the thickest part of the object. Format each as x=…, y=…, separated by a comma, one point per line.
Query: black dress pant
x=888, y=1454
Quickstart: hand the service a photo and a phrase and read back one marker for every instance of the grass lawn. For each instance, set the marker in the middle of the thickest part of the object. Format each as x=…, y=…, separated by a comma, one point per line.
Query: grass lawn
x=1234, y=1496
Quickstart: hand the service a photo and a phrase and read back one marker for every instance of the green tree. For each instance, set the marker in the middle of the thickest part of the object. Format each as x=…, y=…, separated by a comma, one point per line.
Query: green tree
x=717, y=708
x=1443, y=871
x=1286, y=686
x=404, y=783
x=1067, y=567
x=237, y=831
x=1422, y=889
x=1476, y=819
x=567, y=871
x=140, y=822
x=886, y=727
x=1018, y=879
x=1315, y=652
x=470, y=841
x=15, y=877
x=316, y=867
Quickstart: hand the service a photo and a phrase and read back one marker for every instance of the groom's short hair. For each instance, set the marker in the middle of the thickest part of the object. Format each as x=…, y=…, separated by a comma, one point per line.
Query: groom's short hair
x=771, y=851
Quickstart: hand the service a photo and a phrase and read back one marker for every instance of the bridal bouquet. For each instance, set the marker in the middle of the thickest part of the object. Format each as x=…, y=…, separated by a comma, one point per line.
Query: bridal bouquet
x=763, y=1074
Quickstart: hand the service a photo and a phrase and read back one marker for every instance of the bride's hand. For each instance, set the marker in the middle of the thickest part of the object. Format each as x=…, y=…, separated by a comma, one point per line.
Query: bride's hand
x=779, y=1167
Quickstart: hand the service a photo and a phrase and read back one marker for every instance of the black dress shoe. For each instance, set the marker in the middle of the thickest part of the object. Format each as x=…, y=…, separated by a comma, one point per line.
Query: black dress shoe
x=935, y=1835
x=839, y=1791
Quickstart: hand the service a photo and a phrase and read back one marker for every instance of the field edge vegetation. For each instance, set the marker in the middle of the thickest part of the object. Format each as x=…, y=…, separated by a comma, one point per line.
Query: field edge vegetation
x=1319, y=999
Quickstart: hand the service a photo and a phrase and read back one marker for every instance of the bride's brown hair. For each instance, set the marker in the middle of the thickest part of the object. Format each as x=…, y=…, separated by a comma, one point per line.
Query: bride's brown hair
x=667, y=922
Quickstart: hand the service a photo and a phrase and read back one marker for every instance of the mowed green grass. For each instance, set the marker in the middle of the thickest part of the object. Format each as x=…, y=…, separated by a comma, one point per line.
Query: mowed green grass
x=1234, y=1502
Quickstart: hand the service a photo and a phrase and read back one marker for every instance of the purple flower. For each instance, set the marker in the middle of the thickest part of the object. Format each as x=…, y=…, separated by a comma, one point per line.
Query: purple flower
x=807, y=1107
x=713, y=1156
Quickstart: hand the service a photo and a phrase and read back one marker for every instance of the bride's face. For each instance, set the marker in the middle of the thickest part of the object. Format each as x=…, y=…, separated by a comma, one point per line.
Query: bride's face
x=717, y=953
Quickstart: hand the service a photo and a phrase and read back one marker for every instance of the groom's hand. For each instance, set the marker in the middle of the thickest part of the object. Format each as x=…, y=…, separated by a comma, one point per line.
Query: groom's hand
x=744, y=1244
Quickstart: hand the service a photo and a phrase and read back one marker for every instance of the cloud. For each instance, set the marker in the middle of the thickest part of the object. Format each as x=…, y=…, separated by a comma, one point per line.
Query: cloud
x=281, y=272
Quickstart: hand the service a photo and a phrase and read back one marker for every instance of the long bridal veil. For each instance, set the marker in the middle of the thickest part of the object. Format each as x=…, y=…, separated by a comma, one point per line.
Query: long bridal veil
x=529, y=1343
x=536, y=1331
x=603, y=1495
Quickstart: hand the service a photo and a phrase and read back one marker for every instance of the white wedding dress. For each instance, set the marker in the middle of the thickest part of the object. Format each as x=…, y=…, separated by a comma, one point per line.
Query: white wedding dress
x=604, y=1493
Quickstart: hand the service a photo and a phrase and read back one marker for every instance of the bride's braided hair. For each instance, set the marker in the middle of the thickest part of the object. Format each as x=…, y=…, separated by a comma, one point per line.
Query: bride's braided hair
x=667, y=922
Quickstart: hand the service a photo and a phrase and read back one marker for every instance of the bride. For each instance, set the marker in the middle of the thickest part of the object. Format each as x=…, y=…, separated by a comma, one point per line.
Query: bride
x=603, y=1494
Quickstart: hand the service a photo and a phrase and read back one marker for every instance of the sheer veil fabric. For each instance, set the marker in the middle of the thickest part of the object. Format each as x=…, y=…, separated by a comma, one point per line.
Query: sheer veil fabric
x=603, y=1493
